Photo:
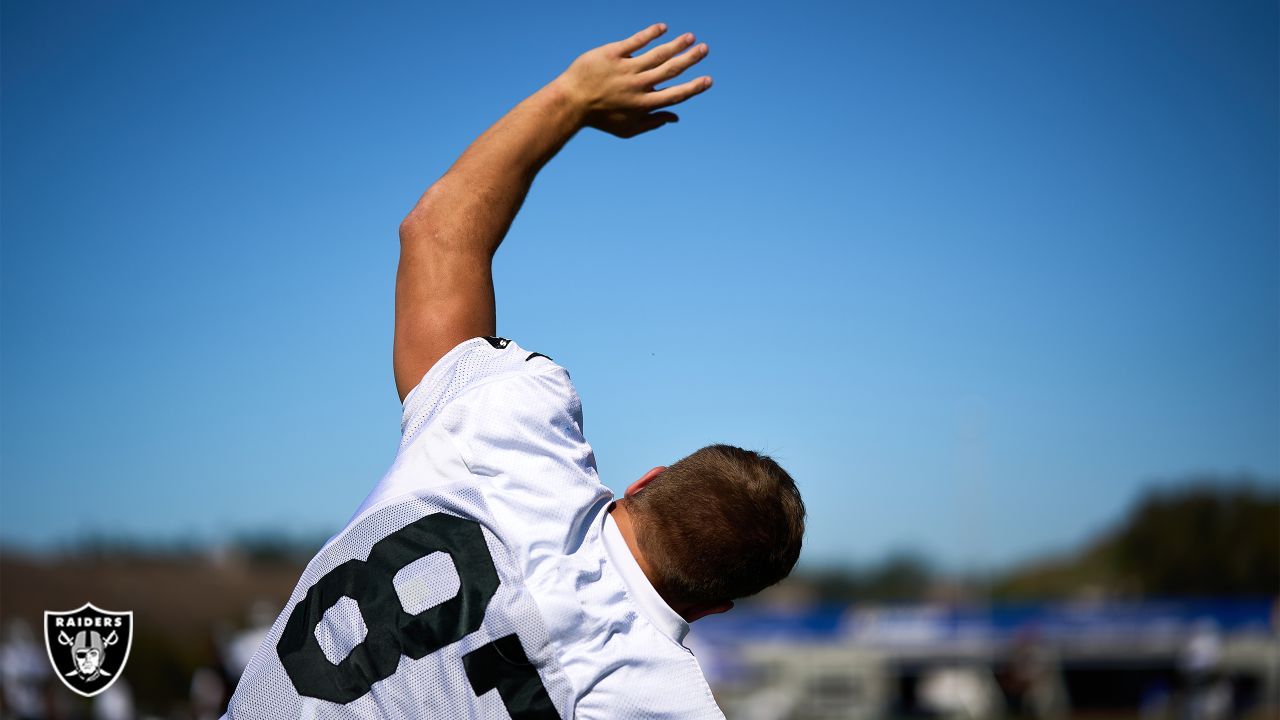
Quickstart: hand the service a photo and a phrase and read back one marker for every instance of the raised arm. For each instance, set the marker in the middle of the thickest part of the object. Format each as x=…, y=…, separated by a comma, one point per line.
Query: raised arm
x=444, y=285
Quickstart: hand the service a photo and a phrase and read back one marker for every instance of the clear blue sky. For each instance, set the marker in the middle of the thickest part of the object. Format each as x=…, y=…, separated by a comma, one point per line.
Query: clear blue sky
x=975, y=273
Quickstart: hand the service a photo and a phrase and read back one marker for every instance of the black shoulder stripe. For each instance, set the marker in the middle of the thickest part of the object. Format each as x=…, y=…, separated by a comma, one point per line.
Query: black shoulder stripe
x=498, y=343
x=534, y=355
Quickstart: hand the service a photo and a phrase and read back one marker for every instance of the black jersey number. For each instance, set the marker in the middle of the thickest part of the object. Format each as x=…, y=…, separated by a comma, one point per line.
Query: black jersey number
x=392, y=632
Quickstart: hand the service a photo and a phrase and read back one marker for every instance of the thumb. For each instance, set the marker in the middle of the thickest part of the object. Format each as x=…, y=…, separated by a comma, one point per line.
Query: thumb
x=653, y=121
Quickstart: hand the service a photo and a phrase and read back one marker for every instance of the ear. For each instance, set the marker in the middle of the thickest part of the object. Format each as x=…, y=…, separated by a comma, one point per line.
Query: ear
x=639, y=484
x=703, y=611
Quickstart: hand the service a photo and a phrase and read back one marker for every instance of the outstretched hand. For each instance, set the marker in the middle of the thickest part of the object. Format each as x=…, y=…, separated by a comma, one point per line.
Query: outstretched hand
x=615, y=90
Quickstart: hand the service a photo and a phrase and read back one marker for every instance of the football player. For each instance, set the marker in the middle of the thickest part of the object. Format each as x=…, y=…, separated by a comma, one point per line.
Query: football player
x=489, y=573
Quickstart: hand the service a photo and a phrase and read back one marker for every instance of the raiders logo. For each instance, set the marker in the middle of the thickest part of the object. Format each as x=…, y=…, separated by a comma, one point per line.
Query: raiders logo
x=88, y=646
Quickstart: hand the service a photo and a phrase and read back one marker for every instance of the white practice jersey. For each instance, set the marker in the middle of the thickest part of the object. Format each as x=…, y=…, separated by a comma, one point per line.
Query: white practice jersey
x=483, y=577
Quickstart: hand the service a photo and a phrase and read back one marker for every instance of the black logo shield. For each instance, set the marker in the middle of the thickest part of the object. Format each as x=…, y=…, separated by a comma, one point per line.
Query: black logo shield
x=88, y=646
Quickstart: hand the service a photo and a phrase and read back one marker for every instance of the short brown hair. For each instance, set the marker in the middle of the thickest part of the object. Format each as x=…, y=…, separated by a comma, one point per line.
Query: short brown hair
x=720, y=524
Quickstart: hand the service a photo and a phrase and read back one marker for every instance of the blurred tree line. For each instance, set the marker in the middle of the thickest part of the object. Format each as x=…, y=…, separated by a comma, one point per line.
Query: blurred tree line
x=1206, y=536
x=902, y=577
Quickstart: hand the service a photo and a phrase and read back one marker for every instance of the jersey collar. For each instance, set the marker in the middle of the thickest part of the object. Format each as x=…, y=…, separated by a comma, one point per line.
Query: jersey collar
x=656, y=609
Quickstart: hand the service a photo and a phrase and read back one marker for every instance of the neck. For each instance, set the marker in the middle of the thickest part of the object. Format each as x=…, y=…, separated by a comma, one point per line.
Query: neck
x=627, y=528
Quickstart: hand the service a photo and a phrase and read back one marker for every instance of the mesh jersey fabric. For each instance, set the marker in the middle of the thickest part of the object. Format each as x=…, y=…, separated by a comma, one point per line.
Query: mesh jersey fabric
x=482, y=577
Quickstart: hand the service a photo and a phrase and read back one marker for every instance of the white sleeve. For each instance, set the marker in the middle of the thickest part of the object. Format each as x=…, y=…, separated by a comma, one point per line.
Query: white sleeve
x=525, y=431
x=516, y=421
x=520, y=437
x=469, y=364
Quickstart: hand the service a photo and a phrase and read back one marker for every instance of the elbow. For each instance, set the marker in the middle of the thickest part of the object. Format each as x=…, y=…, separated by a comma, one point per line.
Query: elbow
x=412, y=227
x=419, y=223
x=420, y=229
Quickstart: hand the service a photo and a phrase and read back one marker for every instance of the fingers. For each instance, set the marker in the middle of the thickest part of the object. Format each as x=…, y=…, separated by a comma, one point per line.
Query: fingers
x=653, y=121
x=640, y=39
x=677, y=93
x=675, y=66
x=664, y=52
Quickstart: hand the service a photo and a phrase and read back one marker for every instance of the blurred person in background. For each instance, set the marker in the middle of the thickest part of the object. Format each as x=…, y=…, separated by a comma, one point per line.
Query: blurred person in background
x=961, y=691
x=208, y=693
x=1035, y=678
x=25, y=674
x=236, y=647
x=1207, y=691
x=115, y=703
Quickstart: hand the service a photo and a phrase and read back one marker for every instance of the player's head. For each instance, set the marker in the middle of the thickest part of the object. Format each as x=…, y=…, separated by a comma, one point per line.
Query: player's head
x=718, y=525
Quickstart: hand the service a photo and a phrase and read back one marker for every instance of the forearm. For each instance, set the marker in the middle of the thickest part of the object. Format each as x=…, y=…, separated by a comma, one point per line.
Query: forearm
x=444, y=284
x=470, y=208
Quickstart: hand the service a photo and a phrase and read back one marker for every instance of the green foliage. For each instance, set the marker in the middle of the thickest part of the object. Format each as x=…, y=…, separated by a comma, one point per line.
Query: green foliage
x=1206, y=536
x=1091, y=570
x=1203, y=539
x=903, y=576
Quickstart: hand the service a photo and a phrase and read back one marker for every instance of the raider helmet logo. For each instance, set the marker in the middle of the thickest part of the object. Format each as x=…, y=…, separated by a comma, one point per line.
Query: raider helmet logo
x=88, y=646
